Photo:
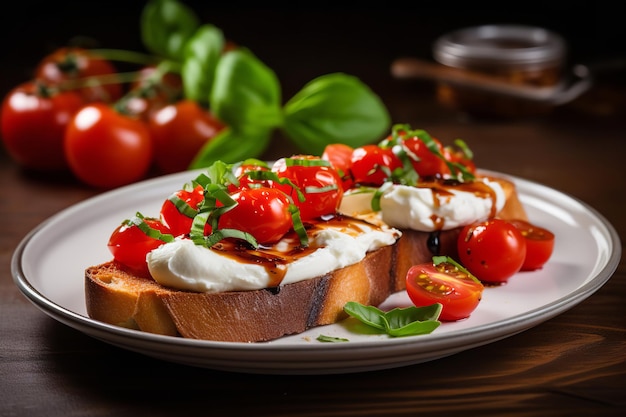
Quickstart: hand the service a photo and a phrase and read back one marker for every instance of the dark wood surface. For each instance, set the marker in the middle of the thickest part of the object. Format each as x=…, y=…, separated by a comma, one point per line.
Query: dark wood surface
x=571, y=365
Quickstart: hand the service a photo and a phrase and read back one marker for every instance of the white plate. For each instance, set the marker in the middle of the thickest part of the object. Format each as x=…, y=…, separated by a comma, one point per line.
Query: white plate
x=48, y=267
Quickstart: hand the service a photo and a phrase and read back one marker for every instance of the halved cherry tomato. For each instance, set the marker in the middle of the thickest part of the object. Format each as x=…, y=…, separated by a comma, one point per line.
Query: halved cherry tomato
x=492, y=250
x=107, y=149
x=425, y=162
x=73, y=63
x=34, y=118
x=539, y=244
x=458, y=292
x=179, y=130
x=177, y=220
x=340, y=157
x=372, y=165
x=130, y=245
x=319, y=183
x=262, y=212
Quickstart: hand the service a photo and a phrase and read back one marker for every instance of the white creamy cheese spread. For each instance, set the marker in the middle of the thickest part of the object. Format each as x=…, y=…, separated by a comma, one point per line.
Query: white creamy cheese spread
x=184, y=265
x=426, y=208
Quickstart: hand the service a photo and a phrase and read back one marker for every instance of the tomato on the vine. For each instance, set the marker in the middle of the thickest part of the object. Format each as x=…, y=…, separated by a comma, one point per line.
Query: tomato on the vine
x=107, y=149
x=179, y=131
x=492, y=250
x=74, y=63
x=152, y=91
x=263, y=212
x=372, y=164
x=34, y=118
x=539, y=244
x=446, y=283
x=316, y=179
x=130, y=245
x=179, y=220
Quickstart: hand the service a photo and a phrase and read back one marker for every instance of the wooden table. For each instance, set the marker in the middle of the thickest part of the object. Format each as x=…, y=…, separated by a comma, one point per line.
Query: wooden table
x=571, y=365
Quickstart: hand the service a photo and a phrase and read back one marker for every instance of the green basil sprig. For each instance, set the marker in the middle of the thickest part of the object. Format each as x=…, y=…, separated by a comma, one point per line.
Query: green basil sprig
x=246, y=95
x=201, y=55
x=409, y=321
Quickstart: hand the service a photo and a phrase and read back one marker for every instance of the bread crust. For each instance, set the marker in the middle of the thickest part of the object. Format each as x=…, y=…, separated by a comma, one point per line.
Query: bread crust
x=116, y=296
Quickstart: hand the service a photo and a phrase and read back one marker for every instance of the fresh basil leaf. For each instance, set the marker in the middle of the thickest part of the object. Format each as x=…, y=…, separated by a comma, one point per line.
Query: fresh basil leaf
x=246, y=93
x=335, y=108
x=166, y=25
x=398, y=322
x=415, y=328
x=367, y=314
x=231, y=146
x=413, y=320
x=202, y=53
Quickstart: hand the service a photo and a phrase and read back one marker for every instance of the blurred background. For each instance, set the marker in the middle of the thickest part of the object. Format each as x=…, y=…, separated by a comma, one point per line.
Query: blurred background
x=301, y=43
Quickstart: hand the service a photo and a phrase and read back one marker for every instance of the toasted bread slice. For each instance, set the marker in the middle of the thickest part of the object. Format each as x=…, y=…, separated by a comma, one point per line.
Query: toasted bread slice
x=115, y=296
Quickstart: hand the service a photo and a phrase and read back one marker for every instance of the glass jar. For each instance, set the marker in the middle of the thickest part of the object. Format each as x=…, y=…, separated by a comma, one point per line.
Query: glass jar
x=515, y=54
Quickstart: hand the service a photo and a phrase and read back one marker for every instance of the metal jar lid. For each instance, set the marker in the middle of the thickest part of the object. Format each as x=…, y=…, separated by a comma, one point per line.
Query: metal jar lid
x=500, y=46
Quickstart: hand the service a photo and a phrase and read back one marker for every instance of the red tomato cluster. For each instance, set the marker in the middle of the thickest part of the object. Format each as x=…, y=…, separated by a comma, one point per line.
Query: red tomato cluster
x=263, y=204
x=78, y=114
x=489, y=252
x=372, y=165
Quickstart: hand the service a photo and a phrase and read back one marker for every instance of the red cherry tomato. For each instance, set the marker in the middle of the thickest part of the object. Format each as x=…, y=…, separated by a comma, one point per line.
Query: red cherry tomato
x=444, y=283
x=34, y=119
x=130, y=245
x=73, y=63
x=425, y=162
x=245, y=180
x=180, y=222
x=539, y=244
x=107, y=149
x=459, y=157
x=153, y=91
x=340, y=157
x=371, y=164
x=179, y=131
x=262, y=212
x=320, y=184
x=493, y=250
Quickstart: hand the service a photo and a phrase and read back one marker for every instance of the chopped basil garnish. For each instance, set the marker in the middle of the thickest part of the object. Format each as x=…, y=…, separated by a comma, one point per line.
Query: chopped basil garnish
x=331, y=339
x=138, y=220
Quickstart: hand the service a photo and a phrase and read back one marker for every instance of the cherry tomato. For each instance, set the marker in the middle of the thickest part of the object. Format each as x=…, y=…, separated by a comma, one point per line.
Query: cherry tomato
x=72, y=63
x=340, y=157
x=153, y=92
x=262, y=212
x=371, y=164
x=459, y=157
x=107, y=149
x=34, y=118
x=245, y=180
x=320, y=184
x=130, y=245
x=425, y=162
x=178, y=222
x=179, y=131
x=458, y=292
x=493, y=250
x=539, y=244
